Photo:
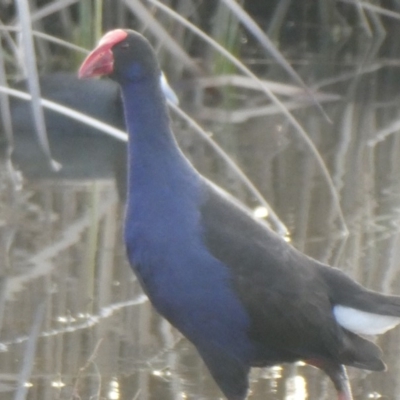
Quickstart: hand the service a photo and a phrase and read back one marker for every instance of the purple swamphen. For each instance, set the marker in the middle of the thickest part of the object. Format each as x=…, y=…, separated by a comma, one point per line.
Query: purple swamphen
x=241, y=294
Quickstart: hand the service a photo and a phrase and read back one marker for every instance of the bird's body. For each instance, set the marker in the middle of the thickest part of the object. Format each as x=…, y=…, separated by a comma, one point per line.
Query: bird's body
x=164, y=237
x=241, y=294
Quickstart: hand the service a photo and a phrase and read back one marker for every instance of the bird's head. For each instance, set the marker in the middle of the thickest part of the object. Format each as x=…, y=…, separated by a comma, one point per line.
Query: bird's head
x=124, y=55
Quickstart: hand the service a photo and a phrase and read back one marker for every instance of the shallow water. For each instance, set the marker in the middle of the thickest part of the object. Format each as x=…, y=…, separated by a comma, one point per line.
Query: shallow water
x=74, y=321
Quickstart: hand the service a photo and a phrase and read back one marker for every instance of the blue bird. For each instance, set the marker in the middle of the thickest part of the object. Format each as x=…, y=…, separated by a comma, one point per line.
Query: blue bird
x=241, y=294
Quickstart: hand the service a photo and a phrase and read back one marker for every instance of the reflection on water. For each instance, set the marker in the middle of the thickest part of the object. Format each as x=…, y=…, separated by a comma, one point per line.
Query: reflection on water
x=99, y=338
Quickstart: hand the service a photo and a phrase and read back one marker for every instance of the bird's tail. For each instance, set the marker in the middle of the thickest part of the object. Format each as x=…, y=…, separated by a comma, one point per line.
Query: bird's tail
x=358, y=309
x=360, y=353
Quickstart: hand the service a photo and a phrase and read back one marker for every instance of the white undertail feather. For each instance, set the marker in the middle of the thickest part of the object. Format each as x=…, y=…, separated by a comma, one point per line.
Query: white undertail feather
x=362, y=322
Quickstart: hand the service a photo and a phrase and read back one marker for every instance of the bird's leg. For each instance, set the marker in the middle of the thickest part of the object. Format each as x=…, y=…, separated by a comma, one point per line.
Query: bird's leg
x=230, y=374
x=338, y=375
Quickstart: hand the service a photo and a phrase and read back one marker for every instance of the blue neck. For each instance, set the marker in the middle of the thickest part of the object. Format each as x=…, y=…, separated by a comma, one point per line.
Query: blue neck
x=152, y=147
x=147, y=117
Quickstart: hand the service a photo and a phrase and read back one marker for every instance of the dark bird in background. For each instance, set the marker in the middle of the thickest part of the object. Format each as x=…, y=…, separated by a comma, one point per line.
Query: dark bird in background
x=84, y=152
x=241, y=294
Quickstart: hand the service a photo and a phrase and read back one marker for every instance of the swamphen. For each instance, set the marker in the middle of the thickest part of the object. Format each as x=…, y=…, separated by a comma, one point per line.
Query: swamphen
x=84, y=152
x=241, y=294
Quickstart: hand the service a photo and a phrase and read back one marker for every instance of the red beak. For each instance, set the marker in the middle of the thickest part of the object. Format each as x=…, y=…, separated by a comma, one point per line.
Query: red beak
x=101, y=60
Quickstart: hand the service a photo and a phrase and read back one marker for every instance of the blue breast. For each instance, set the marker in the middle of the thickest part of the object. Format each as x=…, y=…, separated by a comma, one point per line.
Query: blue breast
x=185, y=283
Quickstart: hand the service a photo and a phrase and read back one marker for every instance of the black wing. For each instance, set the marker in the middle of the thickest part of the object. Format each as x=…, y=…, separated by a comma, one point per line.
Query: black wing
x=283, y=290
